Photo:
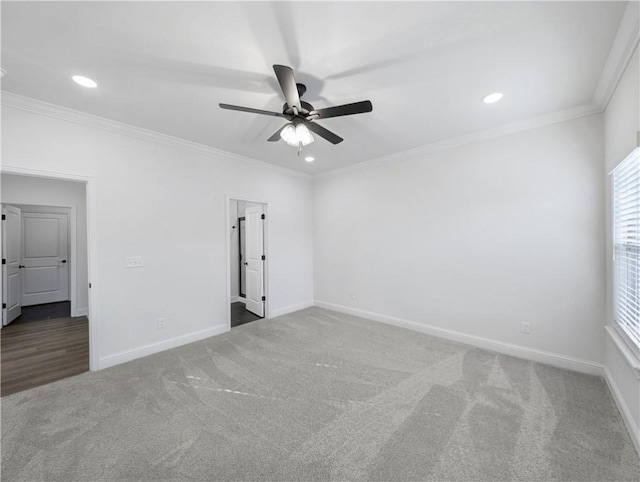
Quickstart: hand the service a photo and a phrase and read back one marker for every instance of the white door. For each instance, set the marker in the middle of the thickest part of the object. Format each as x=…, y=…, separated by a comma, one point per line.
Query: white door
x=254, y=262
x=45, y=277
x=11, y=245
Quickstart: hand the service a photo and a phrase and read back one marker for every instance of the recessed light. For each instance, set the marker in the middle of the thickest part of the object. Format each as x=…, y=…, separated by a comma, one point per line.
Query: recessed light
x=491, y=98
x=84, y=81
x=309, y=159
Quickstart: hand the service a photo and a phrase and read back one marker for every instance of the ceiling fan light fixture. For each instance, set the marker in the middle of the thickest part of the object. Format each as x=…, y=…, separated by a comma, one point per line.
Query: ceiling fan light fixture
x=303, y=134
x=288, y=134
x=294, y=135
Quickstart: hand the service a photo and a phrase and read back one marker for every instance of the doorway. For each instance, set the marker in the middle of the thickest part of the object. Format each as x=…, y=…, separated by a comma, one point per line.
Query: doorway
x=247, y=261
x=48, y=237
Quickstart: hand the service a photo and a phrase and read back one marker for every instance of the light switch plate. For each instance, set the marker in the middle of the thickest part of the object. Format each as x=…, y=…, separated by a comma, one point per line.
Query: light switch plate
x=135, y=262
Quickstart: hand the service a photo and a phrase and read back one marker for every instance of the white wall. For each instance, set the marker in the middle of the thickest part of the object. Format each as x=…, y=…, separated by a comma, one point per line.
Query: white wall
x=622, y=128
x=475, y=240
x=50, y=192
x=166, y=203
x=621, y=118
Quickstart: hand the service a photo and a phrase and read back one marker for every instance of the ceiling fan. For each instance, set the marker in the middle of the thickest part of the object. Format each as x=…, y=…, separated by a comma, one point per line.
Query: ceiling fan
x=300, y=114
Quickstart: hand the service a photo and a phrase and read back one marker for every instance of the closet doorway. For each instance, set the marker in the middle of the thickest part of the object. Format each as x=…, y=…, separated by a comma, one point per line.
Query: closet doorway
x=247, y=260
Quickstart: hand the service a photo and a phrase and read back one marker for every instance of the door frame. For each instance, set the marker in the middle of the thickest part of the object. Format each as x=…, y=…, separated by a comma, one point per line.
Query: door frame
x=230, y=221
x=241, y=220
x=90, y=196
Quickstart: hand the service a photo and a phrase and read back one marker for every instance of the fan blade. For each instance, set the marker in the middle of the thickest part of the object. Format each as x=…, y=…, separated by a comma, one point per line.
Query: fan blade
x=249, y=109
x=346, y=109
x=276, y=137
x=322, y=132
x=288, y=85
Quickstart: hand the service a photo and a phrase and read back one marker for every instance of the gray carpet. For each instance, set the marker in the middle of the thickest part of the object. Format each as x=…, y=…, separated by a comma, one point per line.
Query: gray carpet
x=318, y=395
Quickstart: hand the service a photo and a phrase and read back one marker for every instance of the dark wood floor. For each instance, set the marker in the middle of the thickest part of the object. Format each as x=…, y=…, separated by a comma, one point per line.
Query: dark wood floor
x=47, y=311
x=240, y=315
x=40, y=352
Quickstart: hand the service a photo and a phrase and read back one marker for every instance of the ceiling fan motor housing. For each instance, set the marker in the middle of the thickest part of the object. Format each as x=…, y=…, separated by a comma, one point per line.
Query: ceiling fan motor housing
x=306, y=108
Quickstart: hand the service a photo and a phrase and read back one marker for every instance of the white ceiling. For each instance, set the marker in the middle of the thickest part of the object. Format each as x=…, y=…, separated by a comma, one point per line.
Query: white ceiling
x=165, y=66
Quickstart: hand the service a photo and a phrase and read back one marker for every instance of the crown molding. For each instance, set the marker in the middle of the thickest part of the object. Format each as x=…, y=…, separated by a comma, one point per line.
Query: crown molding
x=624, y=44
x=28, y=104
x=450, y=143
x=36, y=106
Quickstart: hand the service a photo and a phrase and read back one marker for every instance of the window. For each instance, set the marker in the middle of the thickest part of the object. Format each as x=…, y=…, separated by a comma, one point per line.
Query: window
x=626, y=247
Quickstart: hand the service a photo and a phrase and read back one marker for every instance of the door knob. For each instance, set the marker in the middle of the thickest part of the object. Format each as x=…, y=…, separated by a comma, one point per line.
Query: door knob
x=246, y=264
x=20, y=266
x=63, y=261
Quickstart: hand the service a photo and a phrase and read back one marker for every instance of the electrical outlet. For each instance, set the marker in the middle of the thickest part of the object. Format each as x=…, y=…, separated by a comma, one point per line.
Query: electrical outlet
x=135, y=262
x=161, y=323
x=525, y=327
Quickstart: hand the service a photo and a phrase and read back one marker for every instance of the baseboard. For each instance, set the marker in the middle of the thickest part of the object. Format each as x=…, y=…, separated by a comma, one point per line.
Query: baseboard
x=236, y=299
x=290, y=309
x=146, y=350
x=629, y=421
x=80, y=312
x=519, y=351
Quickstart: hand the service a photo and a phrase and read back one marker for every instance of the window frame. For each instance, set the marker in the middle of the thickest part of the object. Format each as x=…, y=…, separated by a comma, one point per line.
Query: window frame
x=619, y=330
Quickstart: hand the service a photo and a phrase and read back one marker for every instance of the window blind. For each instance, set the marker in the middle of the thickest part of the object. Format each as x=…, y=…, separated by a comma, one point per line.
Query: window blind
x=626, y=240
